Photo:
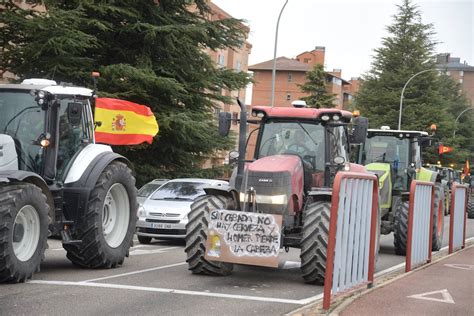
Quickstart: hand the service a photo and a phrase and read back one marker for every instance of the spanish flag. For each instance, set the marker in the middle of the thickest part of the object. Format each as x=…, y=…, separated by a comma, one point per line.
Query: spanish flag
x=444, y=149
x=123, y=122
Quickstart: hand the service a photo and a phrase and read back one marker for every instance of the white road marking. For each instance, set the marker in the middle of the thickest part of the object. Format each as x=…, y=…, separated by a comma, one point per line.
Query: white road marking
x=136, y=272
x=402, y=265
x=447, y=298
x=138, y=252
x=460, y=266
x=171, y=291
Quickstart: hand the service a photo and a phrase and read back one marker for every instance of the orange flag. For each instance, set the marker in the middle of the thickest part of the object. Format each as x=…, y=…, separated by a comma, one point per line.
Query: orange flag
x=466, y=170
x=124, y=122
x=444, y=149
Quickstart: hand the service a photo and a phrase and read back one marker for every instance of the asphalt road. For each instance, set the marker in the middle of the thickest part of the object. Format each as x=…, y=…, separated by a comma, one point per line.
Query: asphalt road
x=155, y=281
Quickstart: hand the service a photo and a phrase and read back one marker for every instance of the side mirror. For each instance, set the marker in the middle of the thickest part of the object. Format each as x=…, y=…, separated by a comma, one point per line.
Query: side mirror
x=359, y=130
x=233, y=157
x=74, y=113
x=426, y=141
x=224, y=123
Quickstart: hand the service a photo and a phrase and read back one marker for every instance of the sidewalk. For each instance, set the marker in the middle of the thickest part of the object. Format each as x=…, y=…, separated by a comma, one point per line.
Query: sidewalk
x=443, y=288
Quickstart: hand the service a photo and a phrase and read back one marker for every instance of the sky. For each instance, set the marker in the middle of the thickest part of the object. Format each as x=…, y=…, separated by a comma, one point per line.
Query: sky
x=349, y=29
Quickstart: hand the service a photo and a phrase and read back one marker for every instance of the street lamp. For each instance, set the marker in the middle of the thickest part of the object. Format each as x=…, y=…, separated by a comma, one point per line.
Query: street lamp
x=274, y=56
x=401, y=96
x=457, y=118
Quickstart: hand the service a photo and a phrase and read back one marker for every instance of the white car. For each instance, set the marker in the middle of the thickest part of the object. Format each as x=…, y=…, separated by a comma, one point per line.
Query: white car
x=148, y=189
x=164, y=214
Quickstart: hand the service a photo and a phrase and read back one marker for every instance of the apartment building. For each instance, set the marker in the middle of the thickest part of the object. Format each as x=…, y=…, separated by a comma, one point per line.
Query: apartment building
x=290, y=73
x=460, y=72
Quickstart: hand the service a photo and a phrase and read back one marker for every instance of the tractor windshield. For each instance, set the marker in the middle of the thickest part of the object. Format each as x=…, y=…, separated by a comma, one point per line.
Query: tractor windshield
x=23, y=120
x=303, y=139
x=392, y=150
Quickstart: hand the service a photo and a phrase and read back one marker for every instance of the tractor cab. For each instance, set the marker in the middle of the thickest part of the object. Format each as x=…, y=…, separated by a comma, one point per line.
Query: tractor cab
x=47, y=124
x=395, y=156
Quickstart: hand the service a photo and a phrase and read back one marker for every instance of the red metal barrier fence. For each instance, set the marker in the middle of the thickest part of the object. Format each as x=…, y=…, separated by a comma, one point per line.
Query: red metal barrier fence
x=352, y=234
x=457, y=225
x=420, y=224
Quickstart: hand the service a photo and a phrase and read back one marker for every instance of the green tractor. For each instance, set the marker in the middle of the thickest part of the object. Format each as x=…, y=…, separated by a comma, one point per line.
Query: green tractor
x=395, y=157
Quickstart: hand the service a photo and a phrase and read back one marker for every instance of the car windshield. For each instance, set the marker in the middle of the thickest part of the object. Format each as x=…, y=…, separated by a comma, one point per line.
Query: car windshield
x=23, y=120
x=187, y=191
x=148, y=189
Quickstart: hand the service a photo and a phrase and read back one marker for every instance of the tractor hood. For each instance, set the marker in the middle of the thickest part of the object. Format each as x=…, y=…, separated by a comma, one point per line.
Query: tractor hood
x=278, y=183
x=277, y=163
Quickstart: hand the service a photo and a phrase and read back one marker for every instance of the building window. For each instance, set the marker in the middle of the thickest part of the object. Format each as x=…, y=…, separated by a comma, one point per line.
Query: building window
x=288, y=96
x=461, y=73
x=461, y=80
x=337, y=81
x=220, y=60
x=238, y=66
x=235, y=117
x=290, y=77
x=217, y=110
x=306, y=60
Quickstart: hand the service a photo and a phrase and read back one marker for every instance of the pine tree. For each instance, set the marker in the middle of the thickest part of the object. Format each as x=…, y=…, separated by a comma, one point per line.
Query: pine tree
x=317, y=89
x=409, y=52
x=148, y=52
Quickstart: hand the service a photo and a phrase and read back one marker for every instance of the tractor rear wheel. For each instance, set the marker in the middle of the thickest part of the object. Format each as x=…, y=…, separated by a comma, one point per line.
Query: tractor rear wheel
x=23, y=231
x=314, y=243
x=400, y=226
x=107, y=227
x=438, y=218
x=196, y=235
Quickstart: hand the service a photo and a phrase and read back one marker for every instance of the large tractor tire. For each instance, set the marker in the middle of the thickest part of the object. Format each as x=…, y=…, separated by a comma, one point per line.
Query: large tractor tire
x=438, y=218
x=400, y=225
x=107, y=227
x=196, y=235
x=23, y=231
x=470, y=206
x=314, y=243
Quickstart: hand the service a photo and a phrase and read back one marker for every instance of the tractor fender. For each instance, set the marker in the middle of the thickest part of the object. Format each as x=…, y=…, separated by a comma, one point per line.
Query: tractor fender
x=14, y=176
x=76, y=194
x=84, y=160
x=225, y=190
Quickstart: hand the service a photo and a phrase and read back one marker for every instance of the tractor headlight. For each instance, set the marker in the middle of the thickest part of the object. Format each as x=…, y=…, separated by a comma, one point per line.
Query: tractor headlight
x=280, y=199
x=41, y=94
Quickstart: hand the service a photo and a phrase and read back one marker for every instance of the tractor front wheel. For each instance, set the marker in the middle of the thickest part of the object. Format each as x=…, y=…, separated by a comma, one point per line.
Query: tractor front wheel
x=314, y=243
x=400, y=226
x=196, y=235
x=107, y=227
x=470, y=206
x=23, y=231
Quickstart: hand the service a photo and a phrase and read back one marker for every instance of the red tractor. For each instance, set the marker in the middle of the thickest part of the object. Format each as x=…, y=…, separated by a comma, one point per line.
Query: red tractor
x=298, y=153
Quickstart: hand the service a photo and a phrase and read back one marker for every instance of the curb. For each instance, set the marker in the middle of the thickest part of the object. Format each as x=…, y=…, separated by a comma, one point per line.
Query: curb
x=341, y=303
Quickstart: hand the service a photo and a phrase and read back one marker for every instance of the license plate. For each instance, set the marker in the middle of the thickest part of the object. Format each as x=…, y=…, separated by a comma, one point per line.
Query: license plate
x=161, y=225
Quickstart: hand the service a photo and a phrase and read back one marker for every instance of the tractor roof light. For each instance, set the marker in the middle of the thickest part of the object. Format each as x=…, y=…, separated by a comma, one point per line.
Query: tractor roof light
x=385, y=128
x=336, y=117
x=41, y=94
x=325, y=117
